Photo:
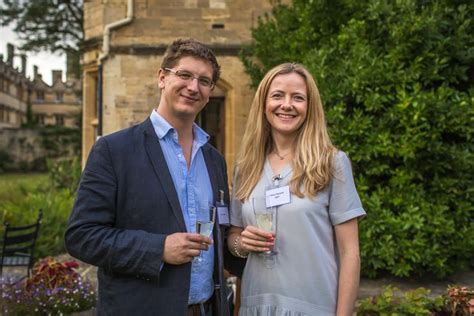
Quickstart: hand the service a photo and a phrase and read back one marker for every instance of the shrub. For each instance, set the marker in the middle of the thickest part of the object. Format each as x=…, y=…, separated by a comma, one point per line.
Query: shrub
x=65, y=173
x=397, y=82
x=56, y=206
x=391, y=302
x=53, y=289
x=459, y=301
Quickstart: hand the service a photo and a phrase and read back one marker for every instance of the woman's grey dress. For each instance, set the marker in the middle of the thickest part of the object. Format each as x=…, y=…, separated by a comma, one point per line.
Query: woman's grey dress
x=304, y=278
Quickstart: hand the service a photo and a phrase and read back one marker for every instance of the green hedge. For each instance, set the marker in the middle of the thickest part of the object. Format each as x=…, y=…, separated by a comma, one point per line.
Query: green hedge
x=397, y=82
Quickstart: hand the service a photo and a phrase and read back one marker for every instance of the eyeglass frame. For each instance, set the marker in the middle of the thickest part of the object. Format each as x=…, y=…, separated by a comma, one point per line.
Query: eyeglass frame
x=193, y=76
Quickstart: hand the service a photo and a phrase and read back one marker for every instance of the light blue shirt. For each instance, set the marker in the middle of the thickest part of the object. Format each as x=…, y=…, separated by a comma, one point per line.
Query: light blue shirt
x=194, y=188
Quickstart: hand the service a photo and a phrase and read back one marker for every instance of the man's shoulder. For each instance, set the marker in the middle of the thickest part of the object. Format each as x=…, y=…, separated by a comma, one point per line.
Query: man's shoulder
x=126, y=135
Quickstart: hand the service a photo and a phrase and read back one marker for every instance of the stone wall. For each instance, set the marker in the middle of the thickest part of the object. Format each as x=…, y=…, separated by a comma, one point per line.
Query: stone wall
x=28, y=149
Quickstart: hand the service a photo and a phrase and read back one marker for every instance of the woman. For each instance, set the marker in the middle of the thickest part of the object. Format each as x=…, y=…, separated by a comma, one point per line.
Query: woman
x=316, y=268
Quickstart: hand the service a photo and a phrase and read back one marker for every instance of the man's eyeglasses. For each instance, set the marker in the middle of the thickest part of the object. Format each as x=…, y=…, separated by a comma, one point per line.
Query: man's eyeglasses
x=187, y=75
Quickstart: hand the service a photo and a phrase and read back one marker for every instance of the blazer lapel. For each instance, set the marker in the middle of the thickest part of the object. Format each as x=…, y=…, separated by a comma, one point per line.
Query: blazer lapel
x=158, y=161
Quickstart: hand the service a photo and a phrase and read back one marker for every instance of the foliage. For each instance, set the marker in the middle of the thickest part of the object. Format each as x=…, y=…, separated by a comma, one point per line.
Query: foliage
x=31, y=149
x=56, y=206
x=391, y=302
x=60, y=141
x=46, y=24
x=460, y=301
x=53, y=274
x=15, y=186
x=5, y=159
x=397, y=81
x=53, y=194
x=53, y=289
x=65, y=173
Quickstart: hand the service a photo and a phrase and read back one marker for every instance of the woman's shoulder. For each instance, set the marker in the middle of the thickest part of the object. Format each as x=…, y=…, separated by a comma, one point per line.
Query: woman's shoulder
x=340, y=158
x=342, y=165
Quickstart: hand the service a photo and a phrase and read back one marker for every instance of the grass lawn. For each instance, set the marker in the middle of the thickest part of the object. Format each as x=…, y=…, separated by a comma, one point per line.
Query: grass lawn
x=14, y=186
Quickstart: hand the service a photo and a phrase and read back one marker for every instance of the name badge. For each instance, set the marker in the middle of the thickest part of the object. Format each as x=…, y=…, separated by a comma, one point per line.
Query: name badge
x=277, y=196
x=223, y=213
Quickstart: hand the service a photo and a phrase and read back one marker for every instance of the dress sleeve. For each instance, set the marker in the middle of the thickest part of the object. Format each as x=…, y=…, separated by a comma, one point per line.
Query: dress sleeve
x=344, y=201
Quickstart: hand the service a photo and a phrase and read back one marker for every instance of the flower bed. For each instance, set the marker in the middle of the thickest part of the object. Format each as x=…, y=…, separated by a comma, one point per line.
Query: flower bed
x=54, y=288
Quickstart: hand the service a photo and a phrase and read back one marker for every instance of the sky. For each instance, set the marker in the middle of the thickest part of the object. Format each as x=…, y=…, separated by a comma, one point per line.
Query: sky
x=45, y=61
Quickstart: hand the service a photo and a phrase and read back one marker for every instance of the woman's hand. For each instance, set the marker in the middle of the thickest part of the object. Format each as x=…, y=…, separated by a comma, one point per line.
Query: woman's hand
x=253, y=239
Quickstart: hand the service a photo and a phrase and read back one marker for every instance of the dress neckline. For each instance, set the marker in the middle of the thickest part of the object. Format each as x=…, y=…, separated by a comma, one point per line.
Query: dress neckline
x=268, y=171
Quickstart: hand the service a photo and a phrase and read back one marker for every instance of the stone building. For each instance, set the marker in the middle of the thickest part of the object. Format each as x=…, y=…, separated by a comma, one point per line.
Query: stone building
x=124, y=45
x=58, y=104
x=14, y=91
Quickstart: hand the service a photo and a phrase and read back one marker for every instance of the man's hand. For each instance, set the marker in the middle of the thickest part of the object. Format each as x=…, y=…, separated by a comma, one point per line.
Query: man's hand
x=183, y=247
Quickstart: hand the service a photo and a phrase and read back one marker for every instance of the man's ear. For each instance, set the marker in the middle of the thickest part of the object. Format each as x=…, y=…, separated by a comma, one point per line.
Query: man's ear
x=161, y=78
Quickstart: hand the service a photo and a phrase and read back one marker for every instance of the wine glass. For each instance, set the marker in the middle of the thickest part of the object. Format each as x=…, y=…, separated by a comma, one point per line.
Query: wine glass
x=265, y=218
x=205, y=219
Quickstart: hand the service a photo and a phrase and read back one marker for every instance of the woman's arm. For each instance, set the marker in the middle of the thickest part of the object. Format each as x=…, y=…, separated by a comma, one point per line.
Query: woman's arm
x=347, y=238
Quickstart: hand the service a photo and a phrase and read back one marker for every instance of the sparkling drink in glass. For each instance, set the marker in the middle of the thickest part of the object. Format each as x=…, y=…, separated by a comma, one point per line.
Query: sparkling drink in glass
x=265, y=218
x=205, y=219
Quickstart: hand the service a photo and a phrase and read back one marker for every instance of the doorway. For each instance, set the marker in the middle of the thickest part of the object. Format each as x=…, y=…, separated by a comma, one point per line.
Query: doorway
x=212, y=120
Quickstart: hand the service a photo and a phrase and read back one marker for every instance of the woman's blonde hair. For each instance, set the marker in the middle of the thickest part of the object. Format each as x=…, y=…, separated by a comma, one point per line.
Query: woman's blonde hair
x=312, y=161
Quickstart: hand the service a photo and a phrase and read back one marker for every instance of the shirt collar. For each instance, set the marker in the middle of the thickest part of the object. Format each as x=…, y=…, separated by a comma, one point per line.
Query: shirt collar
x=163, y=128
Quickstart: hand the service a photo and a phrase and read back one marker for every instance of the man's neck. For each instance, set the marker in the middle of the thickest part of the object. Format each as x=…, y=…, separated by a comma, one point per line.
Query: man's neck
x=184, y=128
x=182, y=125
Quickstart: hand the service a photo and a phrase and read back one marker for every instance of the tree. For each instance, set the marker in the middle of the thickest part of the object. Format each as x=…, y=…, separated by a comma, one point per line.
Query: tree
x=397, y=82
x=52, y=25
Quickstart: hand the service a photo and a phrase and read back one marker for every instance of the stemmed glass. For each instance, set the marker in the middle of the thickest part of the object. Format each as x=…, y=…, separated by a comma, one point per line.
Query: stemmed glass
x=205, y=219
x=265, y=218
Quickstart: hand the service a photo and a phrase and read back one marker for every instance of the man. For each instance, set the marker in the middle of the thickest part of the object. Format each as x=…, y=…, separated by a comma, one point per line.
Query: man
x=137, y=202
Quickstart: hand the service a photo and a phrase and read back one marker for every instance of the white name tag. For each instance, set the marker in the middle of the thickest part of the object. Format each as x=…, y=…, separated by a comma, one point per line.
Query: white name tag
x=277, y=196
x=223, y=213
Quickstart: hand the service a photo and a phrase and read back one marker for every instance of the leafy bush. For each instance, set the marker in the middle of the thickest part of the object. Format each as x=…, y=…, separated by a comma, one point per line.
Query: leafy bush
x=397, y=81
x=56, y=206
x=53, y=289
x=65, y=173
x=392, y=302
x=459, y=301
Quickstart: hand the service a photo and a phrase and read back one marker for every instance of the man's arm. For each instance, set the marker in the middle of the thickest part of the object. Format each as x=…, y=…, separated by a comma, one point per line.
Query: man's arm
x=92, y=237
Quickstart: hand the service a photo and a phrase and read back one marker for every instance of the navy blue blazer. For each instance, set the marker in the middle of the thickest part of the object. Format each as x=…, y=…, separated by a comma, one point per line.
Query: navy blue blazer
x=125, y=207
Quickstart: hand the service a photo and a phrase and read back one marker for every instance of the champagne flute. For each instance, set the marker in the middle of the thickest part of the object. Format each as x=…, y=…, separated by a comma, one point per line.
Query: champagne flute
x=205, y=219
x=265, y=218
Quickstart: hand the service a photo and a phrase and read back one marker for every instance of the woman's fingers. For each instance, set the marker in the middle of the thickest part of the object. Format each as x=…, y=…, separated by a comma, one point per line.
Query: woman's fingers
x=254, y=239
x=258, y=232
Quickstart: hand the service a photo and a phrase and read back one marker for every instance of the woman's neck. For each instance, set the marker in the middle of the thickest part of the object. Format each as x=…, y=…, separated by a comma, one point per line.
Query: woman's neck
x=281, y=153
